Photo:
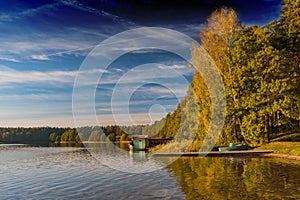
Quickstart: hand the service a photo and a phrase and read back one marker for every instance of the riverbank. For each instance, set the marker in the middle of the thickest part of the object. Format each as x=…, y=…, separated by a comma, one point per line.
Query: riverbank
x=285, y=156
x=288, y=150
x=217, y=153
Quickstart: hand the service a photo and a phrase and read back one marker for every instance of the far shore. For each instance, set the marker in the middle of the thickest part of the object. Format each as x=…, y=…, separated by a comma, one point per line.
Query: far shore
x=91, y=142
x=101, y=142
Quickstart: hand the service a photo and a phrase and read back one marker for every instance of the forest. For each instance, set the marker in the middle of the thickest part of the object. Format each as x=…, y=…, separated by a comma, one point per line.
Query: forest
x=259, y=66
x=260, y=69
x=46, y=135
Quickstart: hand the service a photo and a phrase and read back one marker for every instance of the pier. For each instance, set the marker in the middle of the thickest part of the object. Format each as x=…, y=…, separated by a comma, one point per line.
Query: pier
x=218, y=153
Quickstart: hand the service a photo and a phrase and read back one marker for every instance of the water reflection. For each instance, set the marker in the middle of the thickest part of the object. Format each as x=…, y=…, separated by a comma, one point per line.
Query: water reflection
x=72, y=173
x=123, y=160
x=237, y=178
x=56, y=173
x=64, y=144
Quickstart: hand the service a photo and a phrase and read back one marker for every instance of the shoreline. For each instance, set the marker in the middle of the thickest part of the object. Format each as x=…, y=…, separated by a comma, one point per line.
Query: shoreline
x=285, y=156
x=262, y=153
x=217, y=153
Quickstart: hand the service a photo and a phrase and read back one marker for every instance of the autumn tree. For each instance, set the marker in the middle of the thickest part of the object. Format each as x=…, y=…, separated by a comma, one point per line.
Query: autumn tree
x=217, y=39
x=288, y=27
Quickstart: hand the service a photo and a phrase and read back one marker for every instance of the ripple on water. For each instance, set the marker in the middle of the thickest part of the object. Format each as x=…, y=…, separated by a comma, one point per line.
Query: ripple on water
x=59, y=173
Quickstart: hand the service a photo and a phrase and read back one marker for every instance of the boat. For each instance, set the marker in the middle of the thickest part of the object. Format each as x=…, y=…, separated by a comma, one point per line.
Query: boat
x=234, y=147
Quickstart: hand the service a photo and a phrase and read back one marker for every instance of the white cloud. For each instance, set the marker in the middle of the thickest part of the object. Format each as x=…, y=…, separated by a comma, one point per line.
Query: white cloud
x=28, y=12
x=75, y=51
x=145, y=39
x=44, y=45
x=65, y=121
x=10, y=45
x=120, y=119
x=175, y=66
x=120, y=105
x=32, y=97
x=40, y=57
x=149, y=73
x=5, y=17
x=68, y=120
x=37, y=10
x=81, y=6
x=69, y=40
x=142, y=51
x=9, y=75
x=162, y=92
x=9, y=59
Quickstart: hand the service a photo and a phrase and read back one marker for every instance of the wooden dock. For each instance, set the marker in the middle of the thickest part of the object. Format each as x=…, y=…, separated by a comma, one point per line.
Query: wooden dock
x=217, y=153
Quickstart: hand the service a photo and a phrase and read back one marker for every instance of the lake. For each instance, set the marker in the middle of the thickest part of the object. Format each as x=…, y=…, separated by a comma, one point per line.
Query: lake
x=28, y=172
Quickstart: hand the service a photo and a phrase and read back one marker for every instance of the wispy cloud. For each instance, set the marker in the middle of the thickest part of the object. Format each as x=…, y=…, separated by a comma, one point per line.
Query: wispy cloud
x=39, y=44
x=9, y=59
x=164, y=67
x=5, y=17
x=40, y=57
x=61, y=121
x=29, y=46
x=145, y=40
x=27, y=12
x=9, y=75
x=68, y=120
x=150, y=73
x=37, y=10
x=43, y=50
x=75, y=51
x=32, y=97
x=81, y=6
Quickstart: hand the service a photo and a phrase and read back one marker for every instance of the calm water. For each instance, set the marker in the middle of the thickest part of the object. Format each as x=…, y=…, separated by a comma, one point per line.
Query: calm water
x=61, y=173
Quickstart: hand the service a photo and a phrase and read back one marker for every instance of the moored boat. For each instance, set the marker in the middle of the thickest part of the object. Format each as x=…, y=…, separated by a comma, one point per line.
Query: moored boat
x=234, y=147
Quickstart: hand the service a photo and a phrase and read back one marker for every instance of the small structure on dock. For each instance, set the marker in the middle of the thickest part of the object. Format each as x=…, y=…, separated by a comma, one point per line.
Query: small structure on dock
x=139, y=142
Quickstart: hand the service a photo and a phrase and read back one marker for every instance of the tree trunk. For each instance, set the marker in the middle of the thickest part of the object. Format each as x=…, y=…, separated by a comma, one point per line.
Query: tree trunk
x=267, y=128
x=235, y=131
x=242, y=132
x=270, y=129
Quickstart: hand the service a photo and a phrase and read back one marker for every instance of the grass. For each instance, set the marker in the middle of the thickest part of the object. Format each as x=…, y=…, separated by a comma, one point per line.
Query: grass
x=178, y=147
x=288, y=144
x=293, y=137
x=289, y=148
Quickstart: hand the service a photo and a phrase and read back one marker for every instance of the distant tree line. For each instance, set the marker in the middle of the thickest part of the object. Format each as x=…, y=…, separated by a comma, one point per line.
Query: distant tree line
x=36, y=135
x=45, y=135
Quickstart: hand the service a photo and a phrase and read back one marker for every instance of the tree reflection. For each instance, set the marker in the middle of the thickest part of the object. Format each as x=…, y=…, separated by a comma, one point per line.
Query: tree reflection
x=237, y=178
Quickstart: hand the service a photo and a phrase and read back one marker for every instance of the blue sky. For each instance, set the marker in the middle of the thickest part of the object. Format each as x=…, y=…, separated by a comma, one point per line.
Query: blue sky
x=43, y=44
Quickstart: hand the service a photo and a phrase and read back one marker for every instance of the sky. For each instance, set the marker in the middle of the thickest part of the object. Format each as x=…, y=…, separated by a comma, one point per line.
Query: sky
x=44, y=45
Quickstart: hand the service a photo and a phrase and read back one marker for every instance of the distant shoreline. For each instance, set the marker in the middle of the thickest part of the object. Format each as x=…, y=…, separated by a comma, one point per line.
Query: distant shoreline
x=103, y=142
